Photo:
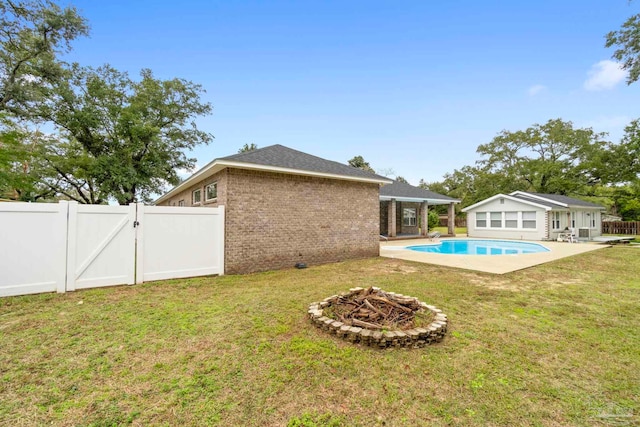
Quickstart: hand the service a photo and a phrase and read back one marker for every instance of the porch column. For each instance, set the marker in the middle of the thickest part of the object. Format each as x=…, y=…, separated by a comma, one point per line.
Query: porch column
x=452, y=219
x=424, y=219
x=391, y=218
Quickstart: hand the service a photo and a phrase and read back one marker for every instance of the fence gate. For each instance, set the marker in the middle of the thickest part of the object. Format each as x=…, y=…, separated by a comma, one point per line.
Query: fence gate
x=33, y=244
x=179, y=242
x=101, y=248
x=48, y=247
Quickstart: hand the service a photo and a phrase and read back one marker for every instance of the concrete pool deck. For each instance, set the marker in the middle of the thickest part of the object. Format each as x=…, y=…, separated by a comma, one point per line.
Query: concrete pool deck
x=496, y=264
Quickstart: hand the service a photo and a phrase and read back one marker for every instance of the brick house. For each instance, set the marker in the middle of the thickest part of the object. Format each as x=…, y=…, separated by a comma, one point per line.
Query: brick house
x=403, y=209
x=283, y=206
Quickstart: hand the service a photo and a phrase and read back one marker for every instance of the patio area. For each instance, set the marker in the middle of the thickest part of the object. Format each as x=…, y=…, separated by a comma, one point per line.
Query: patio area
x=496, y=264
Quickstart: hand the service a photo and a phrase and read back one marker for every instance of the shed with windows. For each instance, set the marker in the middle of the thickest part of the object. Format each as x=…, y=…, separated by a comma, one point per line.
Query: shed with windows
x=533, y=216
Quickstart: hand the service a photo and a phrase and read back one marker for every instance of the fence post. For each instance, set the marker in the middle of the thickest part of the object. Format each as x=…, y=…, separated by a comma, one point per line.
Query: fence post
x=222, y=238
x=72, y=234
x=63, y=256
x=139, y=246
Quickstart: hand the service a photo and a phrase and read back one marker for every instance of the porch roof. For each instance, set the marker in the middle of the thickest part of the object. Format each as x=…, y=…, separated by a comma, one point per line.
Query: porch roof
x=404, y=192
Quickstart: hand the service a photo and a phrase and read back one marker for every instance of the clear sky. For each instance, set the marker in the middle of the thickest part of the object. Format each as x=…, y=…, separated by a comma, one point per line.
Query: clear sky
x=413, y=86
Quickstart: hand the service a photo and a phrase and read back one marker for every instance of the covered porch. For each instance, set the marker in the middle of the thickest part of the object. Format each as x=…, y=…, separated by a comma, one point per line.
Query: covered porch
x=404, y=210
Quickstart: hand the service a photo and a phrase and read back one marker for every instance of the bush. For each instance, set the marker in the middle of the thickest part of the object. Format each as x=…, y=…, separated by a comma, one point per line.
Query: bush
x=433, y=220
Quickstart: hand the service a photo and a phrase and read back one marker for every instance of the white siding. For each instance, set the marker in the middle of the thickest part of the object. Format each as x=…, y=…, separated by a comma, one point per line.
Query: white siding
x=507, y=205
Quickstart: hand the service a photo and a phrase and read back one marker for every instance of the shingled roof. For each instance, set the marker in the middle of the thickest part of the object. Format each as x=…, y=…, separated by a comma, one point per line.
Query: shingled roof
x=406, y=192
x=546, y=201
x=284, y=157
x=554, y=200
x=280, y=159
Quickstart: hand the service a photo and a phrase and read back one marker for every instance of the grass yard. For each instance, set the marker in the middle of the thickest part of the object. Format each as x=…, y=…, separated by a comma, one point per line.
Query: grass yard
x=553, y=345
x=445, y=230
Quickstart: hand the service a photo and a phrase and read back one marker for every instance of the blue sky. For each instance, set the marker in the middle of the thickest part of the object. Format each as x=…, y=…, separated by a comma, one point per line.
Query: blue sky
x=411, y=86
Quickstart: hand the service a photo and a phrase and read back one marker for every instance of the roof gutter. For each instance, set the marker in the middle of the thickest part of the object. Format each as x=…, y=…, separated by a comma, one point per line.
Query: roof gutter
x=420, y=199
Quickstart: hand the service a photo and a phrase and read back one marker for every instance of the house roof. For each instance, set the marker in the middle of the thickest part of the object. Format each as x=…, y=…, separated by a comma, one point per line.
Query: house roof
x=288, y=158
x=546, y=201
x=557, y=200
x=406, y=192
x=281, y=159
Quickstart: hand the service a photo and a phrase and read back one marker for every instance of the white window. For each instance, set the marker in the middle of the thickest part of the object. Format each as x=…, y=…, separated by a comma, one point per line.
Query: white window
x=197, y=196
x=409, y=216
x=181, y=203
x=511, y=219
x=573, y=220
x=496, y=219
x=555, y=220
x=481, y=219
x=594, y=217
x=529, y=219
x=211, y=191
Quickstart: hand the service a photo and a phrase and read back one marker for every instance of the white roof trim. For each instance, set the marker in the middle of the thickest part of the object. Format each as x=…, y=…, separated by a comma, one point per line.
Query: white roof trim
x=218, y=165
x=419, y=199
x=508, y=197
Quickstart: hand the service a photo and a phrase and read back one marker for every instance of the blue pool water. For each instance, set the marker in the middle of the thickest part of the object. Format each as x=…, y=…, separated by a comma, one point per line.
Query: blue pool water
x=480, y=247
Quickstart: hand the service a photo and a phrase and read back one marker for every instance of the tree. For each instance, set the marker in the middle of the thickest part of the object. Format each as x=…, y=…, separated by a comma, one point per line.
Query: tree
x=12, y=156
x=20, y=153
x=549, y=158
x=626, y=156
x=248, y=147
x=470, y=184
x=359, y=162
x=121, y=138
x=433, y=220
x=386, y=172
x=627, y=38
x=401, y=179
x=33, y=34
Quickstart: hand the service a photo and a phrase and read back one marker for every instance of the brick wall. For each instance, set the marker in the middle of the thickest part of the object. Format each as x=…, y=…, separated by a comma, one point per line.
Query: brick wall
x=276, y=220
x=405, y=229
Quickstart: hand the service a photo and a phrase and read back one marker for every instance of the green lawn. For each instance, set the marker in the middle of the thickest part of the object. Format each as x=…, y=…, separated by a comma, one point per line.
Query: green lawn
x=445, y=230
x=553, y=345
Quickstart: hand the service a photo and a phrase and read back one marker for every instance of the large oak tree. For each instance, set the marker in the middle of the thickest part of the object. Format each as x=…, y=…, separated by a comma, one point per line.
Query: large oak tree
x=126, y=138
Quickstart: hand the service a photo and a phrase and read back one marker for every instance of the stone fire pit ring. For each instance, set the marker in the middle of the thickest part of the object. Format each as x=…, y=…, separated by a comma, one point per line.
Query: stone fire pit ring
x=411, y=338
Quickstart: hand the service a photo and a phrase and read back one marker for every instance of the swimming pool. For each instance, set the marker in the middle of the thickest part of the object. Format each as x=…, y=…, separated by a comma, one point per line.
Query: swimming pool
x=480, y=247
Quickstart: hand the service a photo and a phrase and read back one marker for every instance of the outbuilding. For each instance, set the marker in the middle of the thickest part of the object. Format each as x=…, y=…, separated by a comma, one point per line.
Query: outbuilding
x=284, y=207
x=534, y=216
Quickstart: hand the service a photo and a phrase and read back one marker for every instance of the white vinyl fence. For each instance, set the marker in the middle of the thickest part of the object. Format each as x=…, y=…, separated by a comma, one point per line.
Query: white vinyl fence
x=48, y=247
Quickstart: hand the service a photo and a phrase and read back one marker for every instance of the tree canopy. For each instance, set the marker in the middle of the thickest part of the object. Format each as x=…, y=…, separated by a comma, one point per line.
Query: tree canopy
x=553, y=158
x=360, y=163
x=627, y=40
x=549, y=158
x=113, y=137
x=33, y=34
x=248, y=147
x=128, y=137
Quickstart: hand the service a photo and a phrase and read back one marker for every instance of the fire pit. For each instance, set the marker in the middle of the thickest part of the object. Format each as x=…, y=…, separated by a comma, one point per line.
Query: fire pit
x=380, y=319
